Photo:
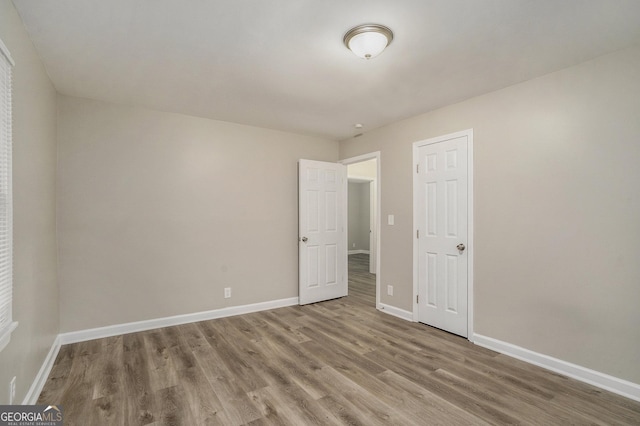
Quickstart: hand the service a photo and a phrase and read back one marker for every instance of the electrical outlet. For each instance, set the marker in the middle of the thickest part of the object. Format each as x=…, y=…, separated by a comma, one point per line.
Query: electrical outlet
x=354, y=245
x=12, y=390
x=389, y=290
x=227, y=292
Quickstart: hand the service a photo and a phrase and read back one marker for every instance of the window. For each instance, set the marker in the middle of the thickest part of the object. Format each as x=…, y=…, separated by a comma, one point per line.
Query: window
x=6, y=206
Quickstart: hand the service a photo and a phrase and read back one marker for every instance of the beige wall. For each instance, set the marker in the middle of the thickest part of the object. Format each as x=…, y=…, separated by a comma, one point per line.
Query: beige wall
x=35, y=297
x=358, y=216
x=158, y=212
x=557, y=208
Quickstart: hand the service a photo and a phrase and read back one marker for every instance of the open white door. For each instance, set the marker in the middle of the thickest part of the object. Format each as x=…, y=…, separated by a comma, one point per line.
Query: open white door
x=322, y=239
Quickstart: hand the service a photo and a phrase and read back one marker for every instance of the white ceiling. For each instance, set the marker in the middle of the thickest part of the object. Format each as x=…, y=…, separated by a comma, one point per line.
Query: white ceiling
x=281, y=64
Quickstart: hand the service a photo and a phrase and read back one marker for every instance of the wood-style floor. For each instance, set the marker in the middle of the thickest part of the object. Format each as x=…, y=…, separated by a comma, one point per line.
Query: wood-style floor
x=336, y=362
x=362, y=284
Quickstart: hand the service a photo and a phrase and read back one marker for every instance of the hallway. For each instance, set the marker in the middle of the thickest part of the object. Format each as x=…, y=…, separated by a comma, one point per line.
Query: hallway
x=362, y=284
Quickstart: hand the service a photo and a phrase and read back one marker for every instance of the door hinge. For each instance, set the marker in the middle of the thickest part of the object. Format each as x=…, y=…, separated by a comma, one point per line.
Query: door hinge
x=418, y=233
x=417, y=168
x=417, y=298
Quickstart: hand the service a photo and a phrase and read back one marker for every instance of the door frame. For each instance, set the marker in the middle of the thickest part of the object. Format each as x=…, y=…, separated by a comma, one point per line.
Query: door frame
x=358, y=159
x=470, y=246
x=373, y=217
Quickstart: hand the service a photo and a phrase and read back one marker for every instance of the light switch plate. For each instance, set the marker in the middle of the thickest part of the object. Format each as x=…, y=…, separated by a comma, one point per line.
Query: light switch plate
x=391, y=220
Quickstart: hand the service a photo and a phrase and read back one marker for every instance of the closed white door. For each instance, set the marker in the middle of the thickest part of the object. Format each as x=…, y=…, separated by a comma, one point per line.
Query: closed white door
x=441, y=197
x=322, y=240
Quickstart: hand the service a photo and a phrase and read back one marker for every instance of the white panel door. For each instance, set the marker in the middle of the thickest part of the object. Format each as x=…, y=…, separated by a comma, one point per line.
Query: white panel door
x=442, y=186
x=322, y=206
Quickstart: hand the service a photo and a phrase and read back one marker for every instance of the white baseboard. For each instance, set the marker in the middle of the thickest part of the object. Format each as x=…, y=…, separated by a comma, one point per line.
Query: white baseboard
x=396, y=312
x=132, y=327
x=41, y=378
x=358, y=252
x=613, y=384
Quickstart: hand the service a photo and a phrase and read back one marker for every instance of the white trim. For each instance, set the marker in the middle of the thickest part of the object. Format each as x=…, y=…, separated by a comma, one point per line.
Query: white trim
x=359, y=159
x=613, y=384
x=41, y=378
x=373, y=220
x=470, y=240
x=396, y=312
x=414, y=180
x=5, y=51
x=470, y=243
x=360, y=179
x=358, y=252
x=132, y=327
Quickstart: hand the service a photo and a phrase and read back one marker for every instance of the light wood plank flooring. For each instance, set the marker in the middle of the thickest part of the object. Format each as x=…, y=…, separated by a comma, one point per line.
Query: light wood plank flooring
x=336, y=362
x=362, y=284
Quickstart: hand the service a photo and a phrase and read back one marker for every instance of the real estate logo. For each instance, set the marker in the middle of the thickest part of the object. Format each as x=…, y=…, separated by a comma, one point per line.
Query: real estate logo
x=31, y=415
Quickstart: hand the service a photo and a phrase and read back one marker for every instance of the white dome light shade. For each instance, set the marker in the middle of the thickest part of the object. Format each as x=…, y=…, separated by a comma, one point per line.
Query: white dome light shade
x=368, y=45
x=368, y=41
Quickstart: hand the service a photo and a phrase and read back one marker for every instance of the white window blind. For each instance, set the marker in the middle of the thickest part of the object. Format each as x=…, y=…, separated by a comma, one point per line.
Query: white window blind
x=6, y=206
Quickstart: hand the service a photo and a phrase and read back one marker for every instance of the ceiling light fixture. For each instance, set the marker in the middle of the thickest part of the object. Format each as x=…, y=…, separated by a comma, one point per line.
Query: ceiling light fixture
x=369, y=40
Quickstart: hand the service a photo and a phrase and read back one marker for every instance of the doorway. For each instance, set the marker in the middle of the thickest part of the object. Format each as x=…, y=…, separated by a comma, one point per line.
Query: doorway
x=363, y=227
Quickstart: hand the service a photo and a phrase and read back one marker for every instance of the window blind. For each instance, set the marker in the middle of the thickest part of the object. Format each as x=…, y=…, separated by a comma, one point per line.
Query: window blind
x=6, y=208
